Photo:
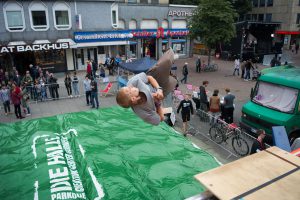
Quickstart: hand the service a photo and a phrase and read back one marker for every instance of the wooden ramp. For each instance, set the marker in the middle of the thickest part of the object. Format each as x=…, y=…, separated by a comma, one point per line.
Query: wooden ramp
x=270, y=174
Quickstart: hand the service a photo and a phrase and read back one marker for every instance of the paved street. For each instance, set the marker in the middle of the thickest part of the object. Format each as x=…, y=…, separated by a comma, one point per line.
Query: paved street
x=217, y=80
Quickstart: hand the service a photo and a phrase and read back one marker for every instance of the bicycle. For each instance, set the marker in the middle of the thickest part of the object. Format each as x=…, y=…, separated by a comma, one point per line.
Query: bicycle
x=221, y=132
x=210, y=67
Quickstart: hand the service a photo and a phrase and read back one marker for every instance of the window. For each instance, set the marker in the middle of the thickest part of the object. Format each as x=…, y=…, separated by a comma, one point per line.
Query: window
x=121, y=24
x=165, y=24
x=298, y=19
x=38, y=16
x=254, y=17
x=154, y=1
x=114, y=15
x=144, y=1
x=255, y=3
x=270, y=3
x=261, y=17
x=132, y=1
x=262, y=3
x=14, y=17
x=268, y=17
x=62, y=15
x=101, y=50
x=132, y=24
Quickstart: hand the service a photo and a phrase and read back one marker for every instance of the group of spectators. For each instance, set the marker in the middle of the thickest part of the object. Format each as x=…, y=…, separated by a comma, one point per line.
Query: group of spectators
x=246, y=66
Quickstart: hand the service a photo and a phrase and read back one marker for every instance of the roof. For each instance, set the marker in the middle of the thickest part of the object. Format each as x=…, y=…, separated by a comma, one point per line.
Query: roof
x=287, y=76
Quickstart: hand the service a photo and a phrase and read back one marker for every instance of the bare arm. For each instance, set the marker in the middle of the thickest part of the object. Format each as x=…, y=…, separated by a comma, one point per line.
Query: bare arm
x=153, y=82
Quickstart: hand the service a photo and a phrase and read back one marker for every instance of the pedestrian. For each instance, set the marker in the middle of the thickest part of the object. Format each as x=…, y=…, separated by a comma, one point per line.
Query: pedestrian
x=95, y=67
x=293, y=47
x=297, y=48
x=94, y=93
x=258, y=144
x=236, y=66
x=243, y=66
x=53, y=87
x=102, y=71
x=5, y=99
x=214, y=106
x=17, y=78
x=185, y=73
x=248, y=68
x=187, y=109
x=87, y=89
x=75, y=82
x=24, y=101
x=1, y=75
x=228, y=106
x=204, y=104
x=27, y=81
x=198, y=64
x=68, y=83
x=89, y=68
x=16, y=97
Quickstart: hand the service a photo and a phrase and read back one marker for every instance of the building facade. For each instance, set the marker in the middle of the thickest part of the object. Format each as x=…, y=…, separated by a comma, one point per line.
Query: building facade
x=63, y=35
x=286, y=12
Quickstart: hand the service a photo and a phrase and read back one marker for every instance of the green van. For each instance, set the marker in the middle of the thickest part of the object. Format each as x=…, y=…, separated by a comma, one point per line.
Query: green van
x=275, y=101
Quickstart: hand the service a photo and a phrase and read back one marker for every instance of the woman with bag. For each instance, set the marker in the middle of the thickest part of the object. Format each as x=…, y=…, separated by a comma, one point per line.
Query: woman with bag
x=214, y=106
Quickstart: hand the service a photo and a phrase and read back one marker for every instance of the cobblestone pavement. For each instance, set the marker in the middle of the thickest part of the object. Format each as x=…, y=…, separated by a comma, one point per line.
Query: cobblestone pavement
x=217, y=80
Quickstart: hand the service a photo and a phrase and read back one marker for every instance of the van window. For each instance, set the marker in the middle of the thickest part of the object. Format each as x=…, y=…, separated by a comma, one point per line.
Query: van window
x=276, y=97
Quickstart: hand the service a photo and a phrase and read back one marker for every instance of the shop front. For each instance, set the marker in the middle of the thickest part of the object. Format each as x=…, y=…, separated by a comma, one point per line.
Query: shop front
x=49, y=56
x=127, y=44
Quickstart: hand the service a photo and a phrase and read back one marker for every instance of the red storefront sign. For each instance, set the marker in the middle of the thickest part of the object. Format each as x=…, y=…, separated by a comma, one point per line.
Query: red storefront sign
x=287, y=32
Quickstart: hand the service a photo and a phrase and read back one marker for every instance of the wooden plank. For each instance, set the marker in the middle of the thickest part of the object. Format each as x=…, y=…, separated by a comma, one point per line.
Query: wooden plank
x=284, y=189
x=285, y=155
x=233, y=179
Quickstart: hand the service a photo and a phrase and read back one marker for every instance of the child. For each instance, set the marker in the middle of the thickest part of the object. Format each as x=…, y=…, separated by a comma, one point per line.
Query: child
x=144, y=94
x=5, y=99
x=187, y=108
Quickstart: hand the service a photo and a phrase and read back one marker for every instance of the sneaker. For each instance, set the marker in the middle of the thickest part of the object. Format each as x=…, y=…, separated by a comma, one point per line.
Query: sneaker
x=6, y=114
x=28, y=114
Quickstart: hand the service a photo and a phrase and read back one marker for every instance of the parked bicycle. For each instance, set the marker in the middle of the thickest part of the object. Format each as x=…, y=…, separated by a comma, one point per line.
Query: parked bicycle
x=210, y=67
x=221, y=132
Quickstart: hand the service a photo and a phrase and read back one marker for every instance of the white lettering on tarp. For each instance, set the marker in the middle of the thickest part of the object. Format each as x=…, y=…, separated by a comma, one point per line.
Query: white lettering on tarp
x=68, y=195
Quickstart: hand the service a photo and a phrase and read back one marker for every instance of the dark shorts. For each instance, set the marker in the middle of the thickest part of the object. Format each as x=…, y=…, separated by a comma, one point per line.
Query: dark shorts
x=185, y=116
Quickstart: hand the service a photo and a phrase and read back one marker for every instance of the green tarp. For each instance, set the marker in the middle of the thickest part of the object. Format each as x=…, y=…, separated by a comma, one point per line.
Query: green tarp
x=98, y=154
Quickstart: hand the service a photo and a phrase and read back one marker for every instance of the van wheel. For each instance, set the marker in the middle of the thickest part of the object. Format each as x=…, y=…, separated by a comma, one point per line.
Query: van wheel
x=294, y=134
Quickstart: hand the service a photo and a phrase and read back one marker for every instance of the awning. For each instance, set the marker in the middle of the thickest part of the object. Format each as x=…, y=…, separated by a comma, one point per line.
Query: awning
x=178, y=41
x=95, y=44
x=15, y=43
x=132, y=42
x=41, y=42
x=68, y=40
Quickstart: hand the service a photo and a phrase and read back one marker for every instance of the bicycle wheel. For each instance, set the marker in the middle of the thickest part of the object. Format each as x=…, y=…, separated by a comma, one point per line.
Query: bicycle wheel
x=216, y=134
x=240, y=146
x=216, y=67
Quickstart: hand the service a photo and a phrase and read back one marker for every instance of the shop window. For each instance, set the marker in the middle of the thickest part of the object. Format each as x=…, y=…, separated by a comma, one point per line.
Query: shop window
x=261, y=17
x=132, y=1
x=101, y=50
x=180, y=23
x=270, y=3
x=268, y=17
x=298, y=19
x=132, y=24
x=144, y=1
x=255, y=3
x=262, y=3
x=14, y=17
x=149, y=24
x=38, y=16
x=62, y=15
x=254, y=17
x=121, y=24
x=165, y=24
x=53, y=60
x=154, y=1
x=114, y=15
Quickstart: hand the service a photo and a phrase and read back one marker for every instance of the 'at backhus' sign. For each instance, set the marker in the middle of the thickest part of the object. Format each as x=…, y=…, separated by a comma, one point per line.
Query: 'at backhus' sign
x=34, y=47
x=128, y=34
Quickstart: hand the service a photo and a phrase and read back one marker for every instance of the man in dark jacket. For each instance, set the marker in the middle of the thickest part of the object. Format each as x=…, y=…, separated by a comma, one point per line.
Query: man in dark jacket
x=185, y=73
x=53, y=87
x=187, y=107
x=204, y=104
x=94, y=93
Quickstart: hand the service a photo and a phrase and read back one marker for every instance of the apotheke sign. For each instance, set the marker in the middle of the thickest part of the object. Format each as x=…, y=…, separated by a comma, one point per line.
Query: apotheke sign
x=34, y=47
x=179, y=13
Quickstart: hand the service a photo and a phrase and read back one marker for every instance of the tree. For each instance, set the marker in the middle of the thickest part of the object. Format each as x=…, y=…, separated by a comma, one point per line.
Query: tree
x=213, y=21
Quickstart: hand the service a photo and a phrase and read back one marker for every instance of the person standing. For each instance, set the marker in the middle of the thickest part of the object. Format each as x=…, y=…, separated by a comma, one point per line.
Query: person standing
x=243, y=65
x=94, y=93
x=236, y=66
x=75, y=82
x=95, y=67
x=214, y=106
x=297, y=48
x=68, y=83
x=16, y=97
x=185, y=73
x=258, y=144
x=24, y=101
x=204, y=104
x=87, y=89
x=17, y=78
x=53, y=87
x=228, y=106
x=5, y=99
x=187, y=109
x=28, y=82
x=89, y=68
x=198, y=64
x=248, y=68
x=273, y=62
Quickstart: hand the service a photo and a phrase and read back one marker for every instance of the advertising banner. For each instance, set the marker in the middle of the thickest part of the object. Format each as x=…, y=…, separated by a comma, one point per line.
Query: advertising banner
x=98, y=154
